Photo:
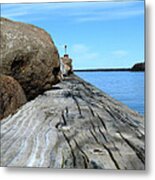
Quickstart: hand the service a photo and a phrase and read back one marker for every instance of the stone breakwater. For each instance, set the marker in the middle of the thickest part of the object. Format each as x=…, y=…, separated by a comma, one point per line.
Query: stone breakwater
x=74, y=125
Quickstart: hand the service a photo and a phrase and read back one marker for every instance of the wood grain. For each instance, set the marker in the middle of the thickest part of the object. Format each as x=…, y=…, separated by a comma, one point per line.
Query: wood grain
x=74, y=125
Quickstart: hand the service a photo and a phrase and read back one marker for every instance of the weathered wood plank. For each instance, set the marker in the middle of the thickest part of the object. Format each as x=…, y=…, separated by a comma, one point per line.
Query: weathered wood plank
x=74, y=125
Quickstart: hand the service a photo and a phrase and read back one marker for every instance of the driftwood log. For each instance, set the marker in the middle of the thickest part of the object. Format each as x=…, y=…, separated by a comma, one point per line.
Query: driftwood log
x=74, y=125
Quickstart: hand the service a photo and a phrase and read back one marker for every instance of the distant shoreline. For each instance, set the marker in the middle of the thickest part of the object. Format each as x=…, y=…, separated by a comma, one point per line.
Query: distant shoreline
x=138, y=67
x=106, y=70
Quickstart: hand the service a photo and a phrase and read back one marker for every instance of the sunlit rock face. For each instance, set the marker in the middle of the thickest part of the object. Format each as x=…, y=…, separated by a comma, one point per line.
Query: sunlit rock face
x=28, y=54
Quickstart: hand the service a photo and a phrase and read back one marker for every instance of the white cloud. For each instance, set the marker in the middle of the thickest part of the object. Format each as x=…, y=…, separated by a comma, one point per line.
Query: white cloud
x=84, y=52
x=112, y=11
x=78, y=12
x=84, y=55
x=119, y=53
x=106, y=16
x=14, y=14
x=80, y=48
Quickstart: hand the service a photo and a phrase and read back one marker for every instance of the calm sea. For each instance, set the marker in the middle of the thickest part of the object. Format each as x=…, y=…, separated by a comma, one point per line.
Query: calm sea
x=127, y=87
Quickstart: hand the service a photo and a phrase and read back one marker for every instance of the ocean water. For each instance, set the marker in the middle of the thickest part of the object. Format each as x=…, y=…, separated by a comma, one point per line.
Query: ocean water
x=127, y=87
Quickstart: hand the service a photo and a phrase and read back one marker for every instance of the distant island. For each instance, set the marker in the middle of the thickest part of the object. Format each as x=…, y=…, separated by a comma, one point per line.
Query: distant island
x=135, y=67
x=138, y=67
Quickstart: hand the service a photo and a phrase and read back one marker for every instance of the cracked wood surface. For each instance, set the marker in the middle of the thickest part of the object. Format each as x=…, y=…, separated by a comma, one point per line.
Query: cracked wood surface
x=74, y=125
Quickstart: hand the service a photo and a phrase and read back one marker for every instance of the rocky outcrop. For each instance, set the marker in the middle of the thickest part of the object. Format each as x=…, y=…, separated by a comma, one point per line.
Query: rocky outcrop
x=11, y=96
x=66, y=65
x=29, y=55
x=138, y=67
x=74, y=125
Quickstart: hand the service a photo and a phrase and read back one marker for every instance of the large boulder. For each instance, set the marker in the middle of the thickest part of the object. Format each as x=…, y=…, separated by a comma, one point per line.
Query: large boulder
x=29, y=55
x=11, y=96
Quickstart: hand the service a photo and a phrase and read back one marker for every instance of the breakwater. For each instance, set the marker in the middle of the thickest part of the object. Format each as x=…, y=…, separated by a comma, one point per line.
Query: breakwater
x=73, y=125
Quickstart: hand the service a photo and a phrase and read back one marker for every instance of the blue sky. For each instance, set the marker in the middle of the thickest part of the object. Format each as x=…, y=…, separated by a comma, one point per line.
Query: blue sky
x=98, y=34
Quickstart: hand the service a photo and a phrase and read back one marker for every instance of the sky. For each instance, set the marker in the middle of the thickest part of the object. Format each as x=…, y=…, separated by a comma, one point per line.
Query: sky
x=97, y=34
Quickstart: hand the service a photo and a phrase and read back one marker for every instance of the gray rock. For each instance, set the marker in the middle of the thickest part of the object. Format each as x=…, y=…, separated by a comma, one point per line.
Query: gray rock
x=29, y=55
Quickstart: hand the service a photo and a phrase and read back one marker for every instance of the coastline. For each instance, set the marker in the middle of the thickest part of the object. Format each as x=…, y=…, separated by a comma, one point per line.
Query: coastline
x=138, y=67
x=108, y=70
x=102, y=70
x=74, y=125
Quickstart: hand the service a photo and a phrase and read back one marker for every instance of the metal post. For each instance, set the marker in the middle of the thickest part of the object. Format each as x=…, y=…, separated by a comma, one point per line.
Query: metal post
x=65, y=49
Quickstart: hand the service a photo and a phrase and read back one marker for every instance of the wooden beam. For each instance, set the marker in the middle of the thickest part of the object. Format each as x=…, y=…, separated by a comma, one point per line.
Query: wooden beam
x=74, y=125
